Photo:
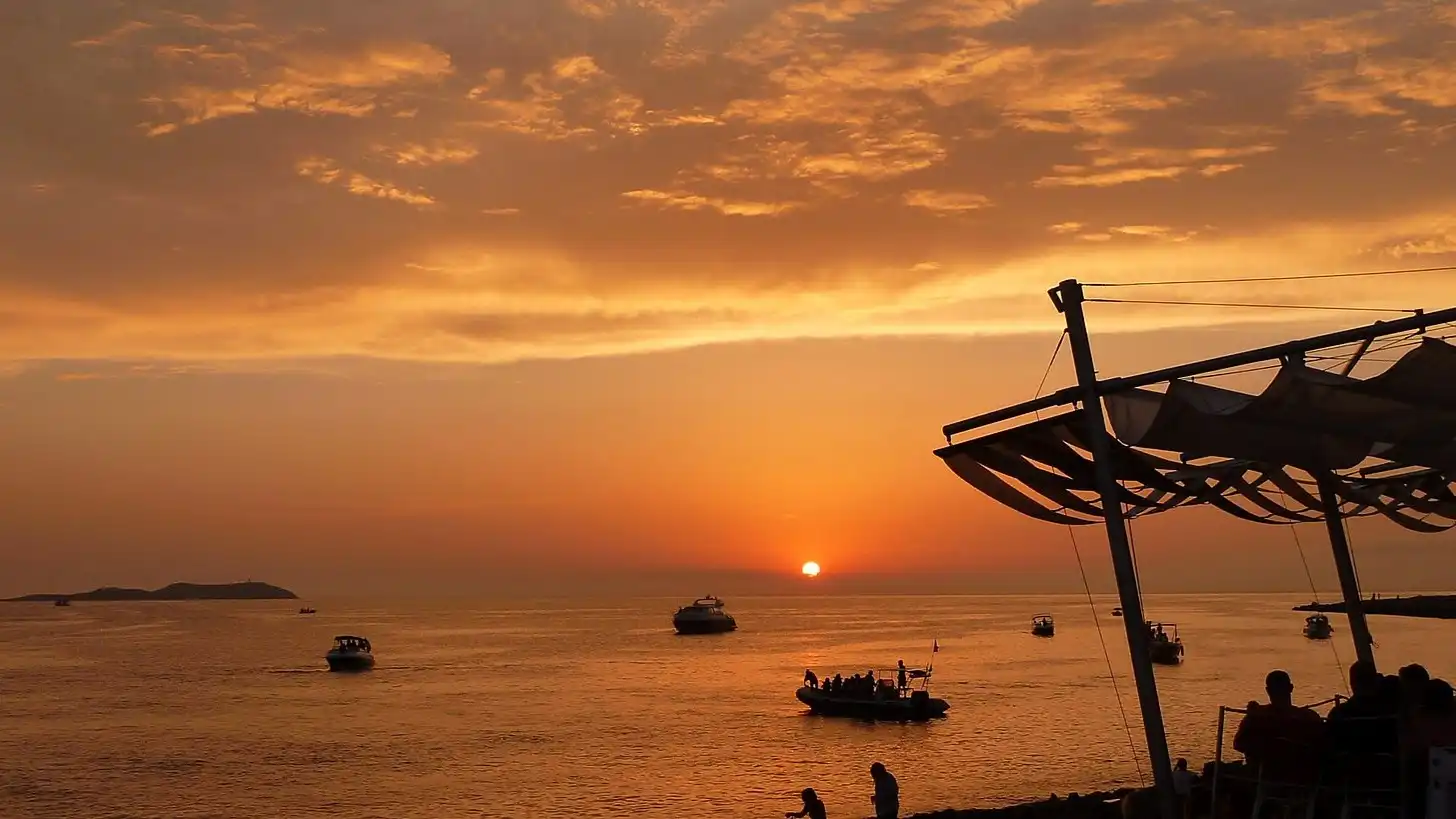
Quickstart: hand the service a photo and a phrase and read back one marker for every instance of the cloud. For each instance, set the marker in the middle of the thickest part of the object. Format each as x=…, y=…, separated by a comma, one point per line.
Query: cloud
x=946, y=201
x=512, y=180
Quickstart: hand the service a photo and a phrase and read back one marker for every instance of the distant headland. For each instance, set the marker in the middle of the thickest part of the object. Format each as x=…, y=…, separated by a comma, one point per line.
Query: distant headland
x=249, y=590
x=1439, y=606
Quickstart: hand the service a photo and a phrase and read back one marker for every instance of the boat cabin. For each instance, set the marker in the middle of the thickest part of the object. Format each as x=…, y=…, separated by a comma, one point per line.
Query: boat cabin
x=347, y=644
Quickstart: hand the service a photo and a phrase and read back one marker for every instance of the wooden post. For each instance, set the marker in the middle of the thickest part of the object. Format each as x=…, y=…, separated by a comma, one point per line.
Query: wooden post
x=1345, y=566
x=1068, y=297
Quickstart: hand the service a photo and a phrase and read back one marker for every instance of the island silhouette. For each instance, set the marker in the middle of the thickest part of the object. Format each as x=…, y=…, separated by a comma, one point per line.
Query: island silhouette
x=248, y=590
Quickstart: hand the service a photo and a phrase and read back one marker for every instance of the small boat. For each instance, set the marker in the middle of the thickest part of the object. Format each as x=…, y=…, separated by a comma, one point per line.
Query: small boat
x=1317, y=627
x=1043, y=626
x=875, y=697
x=307, y=610
x=1165, y=648
x=1117, y=612
x=350, y=654
x=704, y=616
x=62, y=601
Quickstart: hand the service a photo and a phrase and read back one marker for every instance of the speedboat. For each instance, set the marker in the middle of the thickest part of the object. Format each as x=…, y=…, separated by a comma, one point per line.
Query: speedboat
x=350, y=654
x=704, y=616
x=1117, y=612
x=1042, y=625
x=1164, y=647
x=875, y=697
x=307, y=610
x=1317, y=627
x=62, y=601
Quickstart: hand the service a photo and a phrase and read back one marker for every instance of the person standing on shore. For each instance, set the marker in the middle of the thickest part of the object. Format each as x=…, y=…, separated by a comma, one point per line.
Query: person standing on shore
x=887, y=793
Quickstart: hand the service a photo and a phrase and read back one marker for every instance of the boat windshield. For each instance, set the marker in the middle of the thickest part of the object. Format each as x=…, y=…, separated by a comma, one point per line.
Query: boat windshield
x=349, y=643
x=1041, y=620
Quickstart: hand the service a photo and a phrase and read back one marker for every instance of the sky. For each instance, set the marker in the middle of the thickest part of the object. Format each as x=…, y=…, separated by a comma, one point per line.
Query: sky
x=452, y=296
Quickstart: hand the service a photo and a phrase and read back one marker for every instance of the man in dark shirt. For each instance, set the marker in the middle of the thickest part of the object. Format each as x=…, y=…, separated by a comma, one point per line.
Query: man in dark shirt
x=887, y=793
x=1281, y=739
x=1365, y=729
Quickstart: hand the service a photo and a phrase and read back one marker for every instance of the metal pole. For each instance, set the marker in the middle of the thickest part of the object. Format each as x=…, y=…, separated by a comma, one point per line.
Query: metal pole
x=1345, y=565
x=1069, y=297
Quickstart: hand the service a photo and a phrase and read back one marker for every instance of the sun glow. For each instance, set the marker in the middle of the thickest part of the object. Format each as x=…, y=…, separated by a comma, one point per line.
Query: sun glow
x=811, y=569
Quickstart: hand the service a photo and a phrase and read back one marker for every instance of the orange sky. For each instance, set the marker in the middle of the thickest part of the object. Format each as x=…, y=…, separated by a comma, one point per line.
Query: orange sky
x=457, y=292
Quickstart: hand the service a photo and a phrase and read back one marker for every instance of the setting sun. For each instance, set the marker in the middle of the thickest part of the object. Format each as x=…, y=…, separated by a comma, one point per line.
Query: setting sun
x=811, y=569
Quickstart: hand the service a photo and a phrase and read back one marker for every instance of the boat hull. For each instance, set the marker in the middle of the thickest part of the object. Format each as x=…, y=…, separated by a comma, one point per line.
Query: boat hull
x=715, y=625
x=352, y=661
x=1043, y=632
x=909, y=709
x=1317, y=634
x=1166, y=653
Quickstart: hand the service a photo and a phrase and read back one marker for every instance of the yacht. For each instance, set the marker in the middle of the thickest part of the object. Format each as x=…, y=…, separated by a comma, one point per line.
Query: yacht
x=350, y=654
x=1317, y=627
x=704, y=616
x=1043, y=626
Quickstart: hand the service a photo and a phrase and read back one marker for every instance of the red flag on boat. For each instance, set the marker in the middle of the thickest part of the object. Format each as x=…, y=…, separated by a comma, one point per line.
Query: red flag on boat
x=935, y=646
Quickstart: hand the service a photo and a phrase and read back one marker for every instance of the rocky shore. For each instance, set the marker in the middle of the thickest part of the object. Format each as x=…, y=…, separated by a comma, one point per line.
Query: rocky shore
x=1100, y=805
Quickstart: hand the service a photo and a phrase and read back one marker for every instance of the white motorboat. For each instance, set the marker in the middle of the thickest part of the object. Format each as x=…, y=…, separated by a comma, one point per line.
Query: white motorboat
x=350, y=654
x=704, y=616
x=1317, y=627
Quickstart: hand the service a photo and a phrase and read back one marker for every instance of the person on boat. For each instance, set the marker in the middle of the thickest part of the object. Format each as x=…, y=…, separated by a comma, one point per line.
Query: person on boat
x=813, y=806
x=900, y=680
x=810, y=679
x=1281, y=739
x=886, y=798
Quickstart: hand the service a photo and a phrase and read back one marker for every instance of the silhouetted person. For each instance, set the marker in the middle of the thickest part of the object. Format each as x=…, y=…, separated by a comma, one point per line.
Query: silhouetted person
x=813, y=807
x=1183, y=786
x=900, y=680
x=1281, y=739
x=1366, y=727
x=810, y=679
x=838, y=684
x=887, y=793
x=1413, y=681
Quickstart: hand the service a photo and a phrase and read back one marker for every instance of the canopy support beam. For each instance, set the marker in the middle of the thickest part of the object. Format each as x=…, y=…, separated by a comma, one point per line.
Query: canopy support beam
x=1069, y=395
x=1068, y=297
x=1345, y=566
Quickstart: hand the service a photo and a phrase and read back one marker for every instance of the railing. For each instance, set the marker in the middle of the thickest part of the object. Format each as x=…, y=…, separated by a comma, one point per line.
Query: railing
x=1218, y=766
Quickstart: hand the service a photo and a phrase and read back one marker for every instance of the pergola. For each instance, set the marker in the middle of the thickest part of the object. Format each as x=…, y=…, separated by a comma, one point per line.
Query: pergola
x=1312, y=446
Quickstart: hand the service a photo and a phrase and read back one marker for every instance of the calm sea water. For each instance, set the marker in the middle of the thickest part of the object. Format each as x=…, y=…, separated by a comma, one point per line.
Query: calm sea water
x=596, y=709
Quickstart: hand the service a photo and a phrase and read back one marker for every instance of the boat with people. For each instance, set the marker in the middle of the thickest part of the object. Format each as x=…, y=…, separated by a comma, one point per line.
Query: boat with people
x=63, y=601
x=1117, y=612
x=307, y=610
x=1317, y=627
x=350, y=653
x=899, y=696
x=1042, y=625
x=704, y=616
x=1165, y=647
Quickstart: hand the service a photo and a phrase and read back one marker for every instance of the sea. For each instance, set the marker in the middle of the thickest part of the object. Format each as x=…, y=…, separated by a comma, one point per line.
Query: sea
x=557, y=709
